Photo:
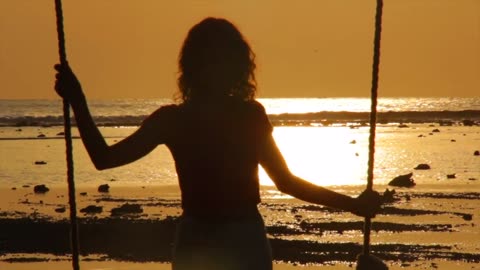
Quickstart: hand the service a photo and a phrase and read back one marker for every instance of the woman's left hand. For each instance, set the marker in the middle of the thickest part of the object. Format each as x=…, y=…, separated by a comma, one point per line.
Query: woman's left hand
x=368, y=204
x=67, y=85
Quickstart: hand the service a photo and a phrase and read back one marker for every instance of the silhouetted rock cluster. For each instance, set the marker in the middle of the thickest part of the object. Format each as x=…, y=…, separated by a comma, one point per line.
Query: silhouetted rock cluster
x=60, y=209
x=40, y=189
x=389, y=196
x=103, y=188
x=405, y=180
x=92, y=209
x=468, y=123
x=127, y=209
x=422, y=166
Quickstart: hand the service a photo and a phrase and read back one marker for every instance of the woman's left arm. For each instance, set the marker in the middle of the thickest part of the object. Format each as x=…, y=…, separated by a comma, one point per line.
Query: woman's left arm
x=105, y=156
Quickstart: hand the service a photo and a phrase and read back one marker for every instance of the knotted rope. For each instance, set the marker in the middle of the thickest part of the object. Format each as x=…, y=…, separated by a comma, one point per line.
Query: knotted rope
x=68, y=142
x=373, y=117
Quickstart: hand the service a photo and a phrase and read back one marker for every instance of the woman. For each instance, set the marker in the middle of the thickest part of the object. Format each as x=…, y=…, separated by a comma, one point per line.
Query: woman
x=218, y=135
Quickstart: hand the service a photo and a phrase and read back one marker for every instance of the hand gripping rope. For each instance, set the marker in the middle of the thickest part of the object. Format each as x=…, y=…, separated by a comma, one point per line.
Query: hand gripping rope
x=68, y=143
x=375, y=263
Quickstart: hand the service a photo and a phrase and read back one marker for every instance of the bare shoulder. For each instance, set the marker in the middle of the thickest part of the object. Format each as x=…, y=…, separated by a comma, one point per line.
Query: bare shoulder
x=256, y=106
x=164, y=115
x=165, y=111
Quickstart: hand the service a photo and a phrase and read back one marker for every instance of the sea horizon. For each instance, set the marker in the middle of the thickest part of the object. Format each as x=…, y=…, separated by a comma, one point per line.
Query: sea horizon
x=282, y=111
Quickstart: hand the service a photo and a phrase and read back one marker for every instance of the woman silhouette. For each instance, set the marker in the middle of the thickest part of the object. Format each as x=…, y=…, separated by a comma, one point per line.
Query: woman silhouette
x=218, y=135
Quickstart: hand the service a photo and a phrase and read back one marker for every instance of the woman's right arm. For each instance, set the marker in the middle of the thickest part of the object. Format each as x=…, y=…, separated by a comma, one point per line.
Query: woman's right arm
x=103, y=156
x=274, y=164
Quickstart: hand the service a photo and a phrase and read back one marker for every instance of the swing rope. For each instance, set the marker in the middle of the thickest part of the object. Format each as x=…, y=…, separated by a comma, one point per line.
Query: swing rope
x=373, y=118
x=68, y=142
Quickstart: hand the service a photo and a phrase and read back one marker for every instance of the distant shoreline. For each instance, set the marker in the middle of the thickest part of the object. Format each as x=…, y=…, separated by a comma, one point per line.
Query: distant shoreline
x=446, y=118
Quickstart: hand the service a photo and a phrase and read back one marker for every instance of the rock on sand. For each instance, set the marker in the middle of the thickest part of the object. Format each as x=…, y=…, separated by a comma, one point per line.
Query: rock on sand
x=126, y=209
x=92, y=209
x=103, y=188
x=422, y=166
x=405, y=180
x=40, y=189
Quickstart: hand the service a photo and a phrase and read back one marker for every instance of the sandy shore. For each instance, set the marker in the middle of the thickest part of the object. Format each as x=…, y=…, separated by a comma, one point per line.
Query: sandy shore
x=421, y=229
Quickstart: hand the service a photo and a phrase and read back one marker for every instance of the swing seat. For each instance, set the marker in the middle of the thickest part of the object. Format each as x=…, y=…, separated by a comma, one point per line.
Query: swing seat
x=370, y=262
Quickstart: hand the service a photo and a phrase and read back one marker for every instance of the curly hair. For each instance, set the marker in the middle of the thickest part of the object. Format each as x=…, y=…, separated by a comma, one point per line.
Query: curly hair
x=216, y=61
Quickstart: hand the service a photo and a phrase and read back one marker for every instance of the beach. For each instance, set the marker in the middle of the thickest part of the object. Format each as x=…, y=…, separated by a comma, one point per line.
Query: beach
x=422, y=229
x=431, y=225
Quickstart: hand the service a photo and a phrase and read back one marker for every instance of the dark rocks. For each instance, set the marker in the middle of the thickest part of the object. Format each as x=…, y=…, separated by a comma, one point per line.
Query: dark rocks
x=61, y=133
x=405, y=180
x=451, y=176
x=60, y=209
x=92, y=209
x=126, y=209
x=422, y=166
x=83, y=193
x=435, y=130
x=40, y=189
x=388, y=196
x=476, y=153
x=40, y=162
x=41, y=136
x=468, y=123
x=103, y=188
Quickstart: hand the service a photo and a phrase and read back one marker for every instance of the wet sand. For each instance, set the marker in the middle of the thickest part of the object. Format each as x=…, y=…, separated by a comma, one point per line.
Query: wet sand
x=421, y=229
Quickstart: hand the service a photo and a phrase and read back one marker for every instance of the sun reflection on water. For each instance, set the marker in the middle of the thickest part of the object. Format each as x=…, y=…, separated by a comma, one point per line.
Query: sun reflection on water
x=324, y=156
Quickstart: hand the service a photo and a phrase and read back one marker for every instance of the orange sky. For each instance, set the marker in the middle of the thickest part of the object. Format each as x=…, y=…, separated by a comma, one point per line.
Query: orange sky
x=313, y=48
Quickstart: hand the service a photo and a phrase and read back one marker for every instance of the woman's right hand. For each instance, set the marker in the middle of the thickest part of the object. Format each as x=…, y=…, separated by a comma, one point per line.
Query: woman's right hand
x=67, y=85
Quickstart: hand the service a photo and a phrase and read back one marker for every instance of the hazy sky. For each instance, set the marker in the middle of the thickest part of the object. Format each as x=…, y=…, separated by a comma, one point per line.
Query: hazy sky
x=306, y=48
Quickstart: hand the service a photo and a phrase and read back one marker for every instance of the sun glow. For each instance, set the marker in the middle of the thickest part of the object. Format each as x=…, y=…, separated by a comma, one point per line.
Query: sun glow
x=323, y=155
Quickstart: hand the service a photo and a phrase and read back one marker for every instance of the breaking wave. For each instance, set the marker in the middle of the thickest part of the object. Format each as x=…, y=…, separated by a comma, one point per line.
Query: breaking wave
x=464, y=117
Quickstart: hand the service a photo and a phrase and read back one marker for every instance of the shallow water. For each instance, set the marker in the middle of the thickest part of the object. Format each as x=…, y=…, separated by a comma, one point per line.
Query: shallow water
x=332, y=156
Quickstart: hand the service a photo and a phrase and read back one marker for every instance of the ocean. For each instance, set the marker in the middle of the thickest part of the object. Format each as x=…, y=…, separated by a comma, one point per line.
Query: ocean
x=125, y=112
x=324, y=140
